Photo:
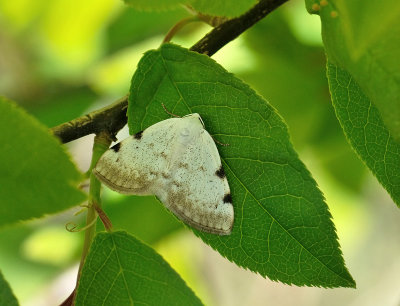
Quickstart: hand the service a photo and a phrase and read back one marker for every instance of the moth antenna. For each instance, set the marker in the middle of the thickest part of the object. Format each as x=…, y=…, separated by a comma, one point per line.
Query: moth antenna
x=220, y=143
x=169, y=113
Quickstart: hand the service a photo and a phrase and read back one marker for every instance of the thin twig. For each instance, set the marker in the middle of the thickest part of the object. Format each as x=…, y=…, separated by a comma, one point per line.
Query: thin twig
x=113, y=117
x=175, y=29
x=229, y=30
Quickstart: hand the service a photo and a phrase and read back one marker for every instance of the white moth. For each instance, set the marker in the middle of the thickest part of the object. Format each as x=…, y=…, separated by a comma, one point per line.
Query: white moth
x=176, y=160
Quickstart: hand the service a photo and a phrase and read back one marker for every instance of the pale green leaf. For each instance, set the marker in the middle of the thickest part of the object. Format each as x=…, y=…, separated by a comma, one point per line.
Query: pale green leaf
x=121, y=270
x=363, y=38
x=37, y=177
x=365, y=130
x=283, y=228
x=6, y=295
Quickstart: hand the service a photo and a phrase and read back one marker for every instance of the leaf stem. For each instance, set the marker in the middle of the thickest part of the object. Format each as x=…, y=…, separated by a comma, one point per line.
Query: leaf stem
x=101, y=143
x=232, y=28
x=175, y=29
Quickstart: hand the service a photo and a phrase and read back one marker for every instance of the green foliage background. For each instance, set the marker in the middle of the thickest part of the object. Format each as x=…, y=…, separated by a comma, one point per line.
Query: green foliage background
x=62, y=62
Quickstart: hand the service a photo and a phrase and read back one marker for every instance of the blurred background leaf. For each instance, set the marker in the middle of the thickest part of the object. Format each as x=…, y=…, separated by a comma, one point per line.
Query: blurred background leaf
x=209, y=7
x=282, y=58
x=37, y=176
x=145, y=217
x=6, y=295
x=222, y=7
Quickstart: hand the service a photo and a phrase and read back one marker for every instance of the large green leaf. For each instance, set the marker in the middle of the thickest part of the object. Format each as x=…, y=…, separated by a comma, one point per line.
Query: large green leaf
x=363, y=38
x=36, y=175
x=121, y=270
x=283, y=227
x=365, y=130
x=6, y=295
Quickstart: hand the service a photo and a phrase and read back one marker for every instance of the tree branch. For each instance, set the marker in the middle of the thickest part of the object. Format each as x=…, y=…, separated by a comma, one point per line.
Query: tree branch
x=112, y=118
x=229, y=30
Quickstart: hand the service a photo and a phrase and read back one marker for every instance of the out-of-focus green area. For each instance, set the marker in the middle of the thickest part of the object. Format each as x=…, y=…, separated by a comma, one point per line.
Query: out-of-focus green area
x=63, y=58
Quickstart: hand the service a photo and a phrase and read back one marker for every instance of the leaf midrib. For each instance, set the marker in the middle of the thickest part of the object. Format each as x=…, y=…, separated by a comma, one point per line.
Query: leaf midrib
x=121, y=270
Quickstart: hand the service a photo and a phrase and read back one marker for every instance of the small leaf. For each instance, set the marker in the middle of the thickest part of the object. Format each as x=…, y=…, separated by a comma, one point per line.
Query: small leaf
x=6, y=295
x=363, y=38
x=283, y=227
x=365, y=130
x=36, y=175
x=121, y=270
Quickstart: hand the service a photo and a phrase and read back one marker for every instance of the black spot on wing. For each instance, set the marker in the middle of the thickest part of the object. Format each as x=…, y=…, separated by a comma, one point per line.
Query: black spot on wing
x=138, y=135
x=116, y=147
x=220, y=172
x=227, y=198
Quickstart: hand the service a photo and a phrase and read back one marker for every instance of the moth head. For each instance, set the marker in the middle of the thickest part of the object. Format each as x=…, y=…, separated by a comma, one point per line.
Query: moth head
x=195, y=117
